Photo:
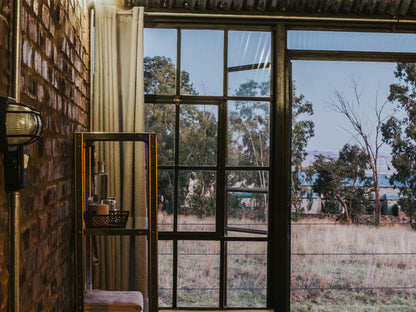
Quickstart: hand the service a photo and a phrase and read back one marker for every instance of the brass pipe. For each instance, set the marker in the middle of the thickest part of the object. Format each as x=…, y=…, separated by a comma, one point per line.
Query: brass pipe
x=15, y=249
x=16, y=50
x=92, y=58
x=15, y=196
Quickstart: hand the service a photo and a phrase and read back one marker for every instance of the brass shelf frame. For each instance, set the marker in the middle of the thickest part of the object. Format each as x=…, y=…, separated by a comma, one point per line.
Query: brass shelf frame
x=83, y=141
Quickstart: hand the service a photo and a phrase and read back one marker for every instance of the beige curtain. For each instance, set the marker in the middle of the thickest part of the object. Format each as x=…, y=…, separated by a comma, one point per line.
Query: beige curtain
x=120, y=263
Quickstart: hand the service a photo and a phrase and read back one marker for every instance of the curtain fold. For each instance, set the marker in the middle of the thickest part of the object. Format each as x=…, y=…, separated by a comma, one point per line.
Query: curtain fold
x=119, y=106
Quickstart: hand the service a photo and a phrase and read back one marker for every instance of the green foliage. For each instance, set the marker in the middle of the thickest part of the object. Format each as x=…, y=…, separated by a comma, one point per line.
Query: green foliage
x=198, y=135
x=337, y=181
x=302, y=132
x=400, y=134
x=197, y=125
x=248, y=142
x=198, y=193
x=160, y=77
x=331, y=206
x=249, y=127
x=248, y=145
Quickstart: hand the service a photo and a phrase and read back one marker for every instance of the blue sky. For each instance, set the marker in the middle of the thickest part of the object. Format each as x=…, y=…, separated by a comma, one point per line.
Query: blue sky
x=318, y=80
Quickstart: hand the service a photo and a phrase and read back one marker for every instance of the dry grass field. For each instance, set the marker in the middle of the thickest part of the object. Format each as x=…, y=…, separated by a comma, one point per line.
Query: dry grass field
x=340, y=267
x=335, y=267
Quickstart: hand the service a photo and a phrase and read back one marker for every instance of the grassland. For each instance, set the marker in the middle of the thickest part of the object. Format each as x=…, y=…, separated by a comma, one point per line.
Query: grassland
x=335, y=267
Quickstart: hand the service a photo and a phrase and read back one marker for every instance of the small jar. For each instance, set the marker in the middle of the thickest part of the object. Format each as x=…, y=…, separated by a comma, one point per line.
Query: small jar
x=111, y=202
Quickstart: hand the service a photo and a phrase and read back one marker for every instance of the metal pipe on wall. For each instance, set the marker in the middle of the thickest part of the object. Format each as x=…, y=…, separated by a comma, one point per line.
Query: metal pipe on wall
x=16, y=50
x=92, y=52
x=15, y=240
x=14, y=198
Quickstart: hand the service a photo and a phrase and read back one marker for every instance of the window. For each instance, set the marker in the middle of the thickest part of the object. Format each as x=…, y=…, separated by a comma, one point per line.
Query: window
x=208, y=99
x=341, y=255
x=224, y=185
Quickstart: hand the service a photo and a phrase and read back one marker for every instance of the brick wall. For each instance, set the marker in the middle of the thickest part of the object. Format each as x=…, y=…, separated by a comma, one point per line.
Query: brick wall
x=54, y=79
x=5, y=89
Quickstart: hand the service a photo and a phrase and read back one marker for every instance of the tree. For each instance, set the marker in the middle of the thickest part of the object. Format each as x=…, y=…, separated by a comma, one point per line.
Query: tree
x=340, y=180
x=302, y=132
x=400, y=134
x=249, y=134
x=369, y=138
x=249, y=143
x=198, y=146
x=197, y=125
x=160, y=77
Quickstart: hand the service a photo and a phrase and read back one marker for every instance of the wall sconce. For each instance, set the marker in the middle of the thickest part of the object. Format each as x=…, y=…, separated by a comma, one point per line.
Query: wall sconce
x=19, y=125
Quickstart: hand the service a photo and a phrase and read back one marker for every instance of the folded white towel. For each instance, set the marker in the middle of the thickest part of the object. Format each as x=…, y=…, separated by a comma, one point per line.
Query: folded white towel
x=109, y=301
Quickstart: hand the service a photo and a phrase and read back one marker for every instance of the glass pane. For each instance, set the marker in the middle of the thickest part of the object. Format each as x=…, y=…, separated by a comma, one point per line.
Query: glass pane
x=246, y=274
x=165, y=273
x=198, y=273
x=253, y=179
x=108, y=255
x=159, y=61
x=254, y=82
x=197, y=200
x=198, y=135
x=166, y=184
x=248, y=48
x=248, y=133
x=351, y=41
x=247, y=210
x=202, y=62
x=160, y=118
x=338, y=256
x=249, y=63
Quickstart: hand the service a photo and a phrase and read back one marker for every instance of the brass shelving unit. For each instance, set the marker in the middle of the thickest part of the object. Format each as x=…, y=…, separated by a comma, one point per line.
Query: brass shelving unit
x=84, y=142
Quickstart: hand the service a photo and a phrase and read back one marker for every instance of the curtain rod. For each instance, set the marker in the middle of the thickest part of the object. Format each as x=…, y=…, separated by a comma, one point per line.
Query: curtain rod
x=276, y=17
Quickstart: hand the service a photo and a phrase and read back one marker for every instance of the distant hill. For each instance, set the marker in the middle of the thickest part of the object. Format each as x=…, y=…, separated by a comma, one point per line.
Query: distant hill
x=384, y=162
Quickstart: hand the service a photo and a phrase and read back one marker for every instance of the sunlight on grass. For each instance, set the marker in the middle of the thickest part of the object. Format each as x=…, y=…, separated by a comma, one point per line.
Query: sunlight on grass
x=335, y=267
x=339, y=267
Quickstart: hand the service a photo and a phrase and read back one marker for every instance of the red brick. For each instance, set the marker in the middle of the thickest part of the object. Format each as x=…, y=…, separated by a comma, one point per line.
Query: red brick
x=4, y=30
x=33, y=29
x=54, y=79
x=40, y=92
x=45, y=16
x=36, y=6
x=23, y=19
x=48, y=47
x=4, y=283
x=45, y=70
x=27, y=53
x=38, y=63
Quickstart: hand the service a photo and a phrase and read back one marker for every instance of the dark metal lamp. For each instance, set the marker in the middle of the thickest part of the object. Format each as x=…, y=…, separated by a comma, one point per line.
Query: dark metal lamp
x=19, y=125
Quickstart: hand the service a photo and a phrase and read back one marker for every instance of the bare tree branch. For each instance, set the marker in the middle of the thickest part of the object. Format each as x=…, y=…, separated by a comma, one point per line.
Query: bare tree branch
x=367, y=137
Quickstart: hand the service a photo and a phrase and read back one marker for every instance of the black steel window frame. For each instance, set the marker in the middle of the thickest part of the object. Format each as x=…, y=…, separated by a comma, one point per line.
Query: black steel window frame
x=278, y=280
x=221, y=167
x=353, y=56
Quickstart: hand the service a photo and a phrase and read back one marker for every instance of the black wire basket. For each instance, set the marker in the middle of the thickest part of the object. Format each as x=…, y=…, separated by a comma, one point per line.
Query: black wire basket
x=116, y=219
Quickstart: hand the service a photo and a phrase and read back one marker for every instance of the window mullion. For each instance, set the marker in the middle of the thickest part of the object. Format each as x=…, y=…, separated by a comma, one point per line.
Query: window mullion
x=221, y=179
x=176, y=193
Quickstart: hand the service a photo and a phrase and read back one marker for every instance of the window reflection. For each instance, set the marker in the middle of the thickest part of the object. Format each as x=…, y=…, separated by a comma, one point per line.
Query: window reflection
x=159, y=61
x=249, y=63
